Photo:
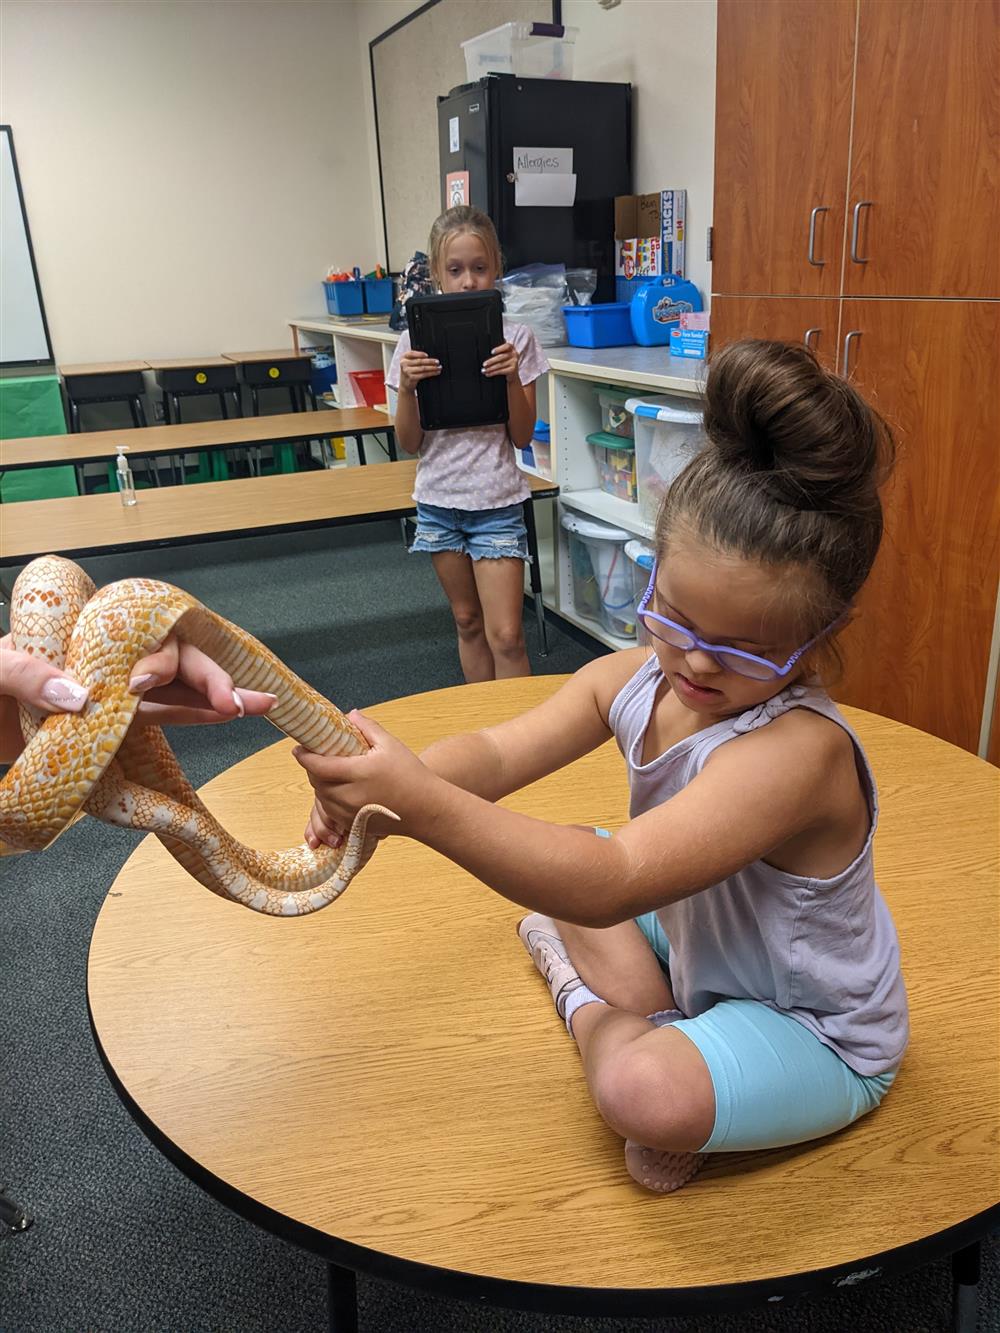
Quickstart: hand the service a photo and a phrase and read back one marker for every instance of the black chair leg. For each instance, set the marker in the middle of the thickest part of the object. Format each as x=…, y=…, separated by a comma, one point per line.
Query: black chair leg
x=74, y=417
x=138, y=411
x=165, y=403
x=12, y=1215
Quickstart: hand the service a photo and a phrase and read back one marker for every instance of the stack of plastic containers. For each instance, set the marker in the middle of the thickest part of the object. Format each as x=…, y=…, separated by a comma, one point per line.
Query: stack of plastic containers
x=602, y=574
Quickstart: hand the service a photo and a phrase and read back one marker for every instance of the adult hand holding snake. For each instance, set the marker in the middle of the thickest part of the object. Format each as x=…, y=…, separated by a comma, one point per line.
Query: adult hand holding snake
x=179, y=685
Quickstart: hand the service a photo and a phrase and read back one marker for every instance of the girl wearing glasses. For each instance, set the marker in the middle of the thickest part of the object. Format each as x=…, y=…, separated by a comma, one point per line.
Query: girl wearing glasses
x=725, y=962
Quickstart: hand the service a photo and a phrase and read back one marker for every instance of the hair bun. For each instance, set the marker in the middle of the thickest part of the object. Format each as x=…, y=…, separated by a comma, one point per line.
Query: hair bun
x=808, y=438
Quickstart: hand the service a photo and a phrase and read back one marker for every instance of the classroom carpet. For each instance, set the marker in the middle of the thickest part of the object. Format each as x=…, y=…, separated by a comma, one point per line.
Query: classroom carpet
x=122, y=1242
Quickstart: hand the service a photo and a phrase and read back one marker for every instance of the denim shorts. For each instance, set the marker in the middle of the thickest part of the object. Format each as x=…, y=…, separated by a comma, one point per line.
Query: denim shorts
x=483, y=534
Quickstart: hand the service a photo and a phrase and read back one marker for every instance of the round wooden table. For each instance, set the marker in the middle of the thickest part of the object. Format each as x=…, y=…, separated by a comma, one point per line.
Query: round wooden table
x=386, y=1084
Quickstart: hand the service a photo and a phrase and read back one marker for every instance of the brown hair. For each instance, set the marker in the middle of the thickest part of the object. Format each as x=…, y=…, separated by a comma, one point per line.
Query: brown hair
x=789, y=474
x=451, y=224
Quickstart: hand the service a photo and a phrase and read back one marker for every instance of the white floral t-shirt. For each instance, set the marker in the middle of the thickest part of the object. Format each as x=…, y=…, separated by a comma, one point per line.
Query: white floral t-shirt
x=474, y=467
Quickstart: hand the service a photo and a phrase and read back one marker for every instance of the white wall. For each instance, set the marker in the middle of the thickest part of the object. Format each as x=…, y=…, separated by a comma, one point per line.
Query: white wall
x=666, y=50
x=189, y=169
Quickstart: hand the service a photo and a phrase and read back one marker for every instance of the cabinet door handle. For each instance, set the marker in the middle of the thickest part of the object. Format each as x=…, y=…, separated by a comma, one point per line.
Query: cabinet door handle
x=822, y=208
x=854, y=333
x=807, y=338
x=856, y=231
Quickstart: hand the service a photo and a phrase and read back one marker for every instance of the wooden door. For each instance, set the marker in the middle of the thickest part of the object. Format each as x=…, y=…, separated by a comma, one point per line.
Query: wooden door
x=926, y=150
x=782, y=132
x=812, y=320
x=919, y=650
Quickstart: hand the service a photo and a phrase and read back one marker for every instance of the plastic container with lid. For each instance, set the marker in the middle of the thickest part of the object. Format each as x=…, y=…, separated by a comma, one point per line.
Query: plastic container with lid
x=615, y=457
x=616, y=419
x=602, y=575
x=531, y=50
x=668, y=434
x=642, y=558
x=606, y=325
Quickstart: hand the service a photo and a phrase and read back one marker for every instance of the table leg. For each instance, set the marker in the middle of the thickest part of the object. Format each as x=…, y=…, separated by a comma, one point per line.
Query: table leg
x=342, y=1289
x=359, y=440
x=965, y=1266
x=390, y=438
x=12, y=1215
x=536, y=576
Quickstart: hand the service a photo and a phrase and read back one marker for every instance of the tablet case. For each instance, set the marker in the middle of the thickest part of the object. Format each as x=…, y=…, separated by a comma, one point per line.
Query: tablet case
x=460, y=330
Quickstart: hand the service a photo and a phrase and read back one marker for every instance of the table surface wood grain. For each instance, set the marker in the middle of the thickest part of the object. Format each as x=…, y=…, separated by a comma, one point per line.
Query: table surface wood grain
x=145, y=441
x=244, y=505
x=390, y=1071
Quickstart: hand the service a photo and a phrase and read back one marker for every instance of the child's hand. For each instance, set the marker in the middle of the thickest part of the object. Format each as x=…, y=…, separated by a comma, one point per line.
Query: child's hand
x=503, y=361
x=321, y=829
x=388, y=774
x=414, y=367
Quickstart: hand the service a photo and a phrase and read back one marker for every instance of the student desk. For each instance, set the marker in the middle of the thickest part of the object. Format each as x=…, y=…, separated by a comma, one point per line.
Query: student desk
x=281, y=369
x=398, y=1096
x=202, y=436
x=216, y=510
x=185, y=377
x=105, y=382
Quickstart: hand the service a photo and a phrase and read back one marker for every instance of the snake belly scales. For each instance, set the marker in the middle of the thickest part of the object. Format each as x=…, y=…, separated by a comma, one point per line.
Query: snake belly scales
x=96, y=762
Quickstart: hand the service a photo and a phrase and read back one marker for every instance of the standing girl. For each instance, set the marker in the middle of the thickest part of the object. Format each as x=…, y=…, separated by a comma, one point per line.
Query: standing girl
x=726, y=962
x=469, y=489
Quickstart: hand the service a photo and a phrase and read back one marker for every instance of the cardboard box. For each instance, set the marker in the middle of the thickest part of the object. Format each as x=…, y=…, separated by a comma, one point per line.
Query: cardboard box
x=647, y=217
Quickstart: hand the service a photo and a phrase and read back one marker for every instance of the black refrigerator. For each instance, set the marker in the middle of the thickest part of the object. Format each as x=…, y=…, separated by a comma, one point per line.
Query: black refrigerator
x=481, y=124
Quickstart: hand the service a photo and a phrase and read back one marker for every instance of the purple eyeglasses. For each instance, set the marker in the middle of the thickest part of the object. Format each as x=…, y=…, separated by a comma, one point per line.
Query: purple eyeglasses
x=731, y=659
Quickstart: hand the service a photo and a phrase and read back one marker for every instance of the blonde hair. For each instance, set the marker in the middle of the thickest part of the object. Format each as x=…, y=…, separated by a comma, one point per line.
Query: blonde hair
x=453, y=223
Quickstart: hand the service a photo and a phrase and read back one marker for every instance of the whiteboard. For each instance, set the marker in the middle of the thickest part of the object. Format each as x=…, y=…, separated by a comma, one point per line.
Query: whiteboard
x=412, y=64
x=24, y=333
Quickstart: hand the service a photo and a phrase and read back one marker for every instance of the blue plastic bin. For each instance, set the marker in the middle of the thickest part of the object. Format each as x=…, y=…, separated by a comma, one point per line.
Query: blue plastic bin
x=344, y=298
x=608, y=325
x=378, y=295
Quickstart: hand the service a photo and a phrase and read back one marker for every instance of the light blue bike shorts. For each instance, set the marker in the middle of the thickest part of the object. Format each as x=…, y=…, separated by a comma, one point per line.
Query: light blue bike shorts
x=775, y=1082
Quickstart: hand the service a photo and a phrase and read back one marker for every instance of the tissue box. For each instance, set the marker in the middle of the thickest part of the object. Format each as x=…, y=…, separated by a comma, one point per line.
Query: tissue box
x=690, y=343
x=646, y=217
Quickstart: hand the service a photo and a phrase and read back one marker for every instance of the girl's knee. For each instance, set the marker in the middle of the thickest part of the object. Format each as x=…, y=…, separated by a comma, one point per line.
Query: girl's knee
x=645, y=1094
x=506, y=641
x=468, y=621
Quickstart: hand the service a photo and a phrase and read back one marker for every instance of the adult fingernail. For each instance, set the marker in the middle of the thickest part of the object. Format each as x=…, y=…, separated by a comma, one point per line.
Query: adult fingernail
x=67, y=694
x=139, y=683
x=240, y=709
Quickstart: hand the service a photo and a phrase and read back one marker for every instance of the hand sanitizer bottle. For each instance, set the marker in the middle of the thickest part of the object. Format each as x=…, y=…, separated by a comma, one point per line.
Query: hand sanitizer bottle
x=126, y=485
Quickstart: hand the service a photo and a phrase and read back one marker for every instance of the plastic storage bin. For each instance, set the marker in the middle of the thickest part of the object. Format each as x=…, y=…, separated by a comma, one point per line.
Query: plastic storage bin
x=369, y=385
x=532, y=50
x=607, y=325
x=602, y=576
x=615, y=464
x=378, y=295
x=668, y=434
x=616, y=419
x=344, y=298
x=642, y=559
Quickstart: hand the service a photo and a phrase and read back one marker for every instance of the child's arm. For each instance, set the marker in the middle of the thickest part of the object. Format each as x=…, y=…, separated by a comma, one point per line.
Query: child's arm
x=498, y=760
x=755, y=794
x=505, y=361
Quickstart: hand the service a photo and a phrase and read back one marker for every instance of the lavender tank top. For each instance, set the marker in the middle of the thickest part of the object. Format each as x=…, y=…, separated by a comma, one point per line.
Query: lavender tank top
x=823, y=951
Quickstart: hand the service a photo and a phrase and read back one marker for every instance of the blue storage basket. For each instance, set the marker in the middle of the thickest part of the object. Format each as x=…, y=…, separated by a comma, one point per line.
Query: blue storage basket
x=344, y=298
x=378, y=295
x=607, y=325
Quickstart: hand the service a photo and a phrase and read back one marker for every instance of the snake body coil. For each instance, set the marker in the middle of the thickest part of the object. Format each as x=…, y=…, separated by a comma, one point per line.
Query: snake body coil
x=95, y=762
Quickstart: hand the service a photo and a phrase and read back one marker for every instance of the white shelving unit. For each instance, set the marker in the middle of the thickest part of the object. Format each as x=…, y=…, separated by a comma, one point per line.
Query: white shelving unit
x=576, y=375
x=574, y=413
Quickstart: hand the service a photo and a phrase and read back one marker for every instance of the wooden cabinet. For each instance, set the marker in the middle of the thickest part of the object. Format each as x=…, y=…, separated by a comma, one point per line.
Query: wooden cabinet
x=911, y=157
x=925, y=152
x=779, y=202
x=919, y=650
x=788, y=319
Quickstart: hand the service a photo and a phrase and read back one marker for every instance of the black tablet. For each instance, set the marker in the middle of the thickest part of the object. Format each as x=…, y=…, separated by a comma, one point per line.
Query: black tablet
x=459, y=330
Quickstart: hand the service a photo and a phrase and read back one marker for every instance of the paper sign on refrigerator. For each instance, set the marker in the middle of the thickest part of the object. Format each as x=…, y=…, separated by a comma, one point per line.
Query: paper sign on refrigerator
x=544, y=178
